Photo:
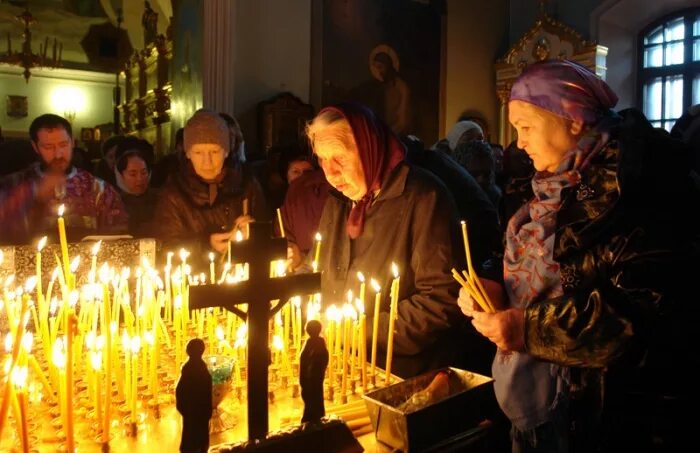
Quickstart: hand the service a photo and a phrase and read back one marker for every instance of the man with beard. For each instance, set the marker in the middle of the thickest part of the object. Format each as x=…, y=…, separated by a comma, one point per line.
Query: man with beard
x=91, y=205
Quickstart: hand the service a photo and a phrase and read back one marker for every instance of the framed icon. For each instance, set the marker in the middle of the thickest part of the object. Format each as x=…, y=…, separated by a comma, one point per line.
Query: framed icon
x=17, y=106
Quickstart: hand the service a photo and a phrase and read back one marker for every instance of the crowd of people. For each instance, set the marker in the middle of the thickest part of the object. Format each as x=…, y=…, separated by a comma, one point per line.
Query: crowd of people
x=583, y=234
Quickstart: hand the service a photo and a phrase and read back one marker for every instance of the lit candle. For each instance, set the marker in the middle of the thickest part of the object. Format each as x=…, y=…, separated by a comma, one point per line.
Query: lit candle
x=96, y=362
x=93, y=263
x=70, y=326
x=331, y=314
x=392, y=319
x=19, y=378
x=375, y=326
x=317, y=252
x=39, y=287
x=353, y=350
x=63, y=240
x=245, y=213
x=212, y=269
x=347, y=339
x=361, y=278
x=362, y=341
x=135, y=347
x=15, y=353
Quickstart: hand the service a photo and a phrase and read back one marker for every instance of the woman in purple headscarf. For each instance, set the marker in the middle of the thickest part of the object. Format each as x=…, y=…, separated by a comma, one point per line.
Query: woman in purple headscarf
x=595, y=266
x=383, y=210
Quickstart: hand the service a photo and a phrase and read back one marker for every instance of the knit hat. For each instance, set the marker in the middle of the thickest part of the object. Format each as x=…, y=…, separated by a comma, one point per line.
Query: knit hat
x=206, y=127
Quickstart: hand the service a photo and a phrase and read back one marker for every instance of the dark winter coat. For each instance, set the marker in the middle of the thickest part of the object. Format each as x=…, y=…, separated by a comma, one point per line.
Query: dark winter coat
x=413, y=223
x=628, y=251
x=185, y=218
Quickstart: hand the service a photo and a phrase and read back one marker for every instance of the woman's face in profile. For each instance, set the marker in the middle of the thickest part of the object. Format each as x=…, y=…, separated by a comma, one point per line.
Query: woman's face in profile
x=342, y=165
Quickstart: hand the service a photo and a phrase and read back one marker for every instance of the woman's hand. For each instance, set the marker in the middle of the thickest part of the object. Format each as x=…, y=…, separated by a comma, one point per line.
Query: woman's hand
x=219, y=241
x=504, y=328
x=493, y=289
x=240, y=223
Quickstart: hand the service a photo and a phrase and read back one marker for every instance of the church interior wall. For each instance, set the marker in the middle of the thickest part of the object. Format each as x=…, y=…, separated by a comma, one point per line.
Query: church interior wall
x=89, y=94
x=273, y=55
x=474, y=42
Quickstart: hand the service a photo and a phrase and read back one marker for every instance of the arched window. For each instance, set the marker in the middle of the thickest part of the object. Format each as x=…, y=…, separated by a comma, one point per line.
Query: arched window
x=669, y=67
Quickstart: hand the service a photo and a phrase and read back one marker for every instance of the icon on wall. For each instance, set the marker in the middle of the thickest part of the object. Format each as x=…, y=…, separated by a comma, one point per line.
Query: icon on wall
x=17, y=106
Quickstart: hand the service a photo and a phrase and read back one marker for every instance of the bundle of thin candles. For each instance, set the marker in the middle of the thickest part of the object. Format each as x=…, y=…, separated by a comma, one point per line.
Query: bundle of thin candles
x=470, y=281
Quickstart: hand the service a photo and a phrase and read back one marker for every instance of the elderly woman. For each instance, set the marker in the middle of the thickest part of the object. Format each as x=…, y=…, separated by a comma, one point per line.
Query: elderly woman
x=596, y=263
x=202, y=205
x=384, y=210
x=132, y=171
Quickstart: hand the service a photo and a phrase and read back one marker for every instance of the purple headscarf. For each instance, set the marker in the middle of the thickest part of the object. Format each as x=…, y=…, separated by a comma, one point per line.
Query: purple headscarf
x=564, y=88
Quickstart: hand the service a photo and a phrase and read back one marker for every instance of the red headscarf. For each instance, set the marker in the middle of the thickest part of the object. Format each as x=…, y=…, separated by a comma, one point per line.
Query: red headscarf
x=380, y=152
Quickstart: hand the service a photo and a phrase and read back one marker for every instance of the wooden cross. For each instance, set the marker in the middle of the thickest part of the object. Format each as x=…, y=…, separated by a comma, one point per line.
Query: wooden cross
x=258, y=251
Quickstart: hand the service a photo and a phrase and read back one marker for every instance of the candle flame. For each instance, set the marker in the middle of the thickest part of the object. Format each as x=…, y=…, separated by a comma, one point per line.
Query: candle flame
x=61, y=209
x=96, y=360
x=99, y=342
x=219, y=333
x=177, y=303
x=104, y=273
x=375, y=285
x=350, y=298
x=126, y=339
x=9, y=280
x=57, y=356
x=395, y=270
x=41, y=244
x=239, y=236
x=74, y=264
x=30, y=284
x=19, y=377
x=332, y=313
x=135, y=344
x=183, y=255
x=211, y=257
x=463, y=222
x=277, y=343
x=349, y=312
x=27, y=341
x=96, y=247
x=90, y=340
x=148, y=338
x=9, y=341
x=318, y=237
x=113, y=327
x=73, y=298
x=361, y=277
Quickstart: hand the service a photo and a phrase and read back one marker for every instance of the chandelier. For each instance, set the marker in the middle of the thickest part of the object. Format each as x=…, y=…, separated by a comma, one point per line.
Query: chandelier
x=26, y=58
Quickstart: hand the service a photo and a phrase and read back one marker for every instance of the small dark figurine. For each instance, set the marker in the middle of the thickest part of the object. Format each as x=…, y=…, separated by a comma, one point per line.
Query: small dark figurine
x=193, y=400
x=312, y=368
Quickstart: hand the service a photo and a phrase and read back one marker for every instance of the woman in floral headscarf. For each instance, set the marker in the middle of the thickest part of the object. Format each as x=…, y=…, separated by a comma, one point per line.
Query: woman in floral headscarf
x=595, y=268
x=383, y=210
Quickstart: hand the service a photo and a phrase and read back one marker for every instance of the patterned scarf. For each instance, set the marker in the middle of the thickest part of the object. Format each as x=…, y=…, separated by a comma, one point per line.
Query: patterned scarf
x=530, y=271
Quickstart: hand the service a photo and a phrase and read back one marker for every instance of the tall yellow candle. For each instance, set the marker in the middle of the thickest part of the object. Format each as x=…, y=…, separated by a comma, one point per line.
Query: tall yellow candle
x=135, y=347
x=212, y=269
x=70, y=325
x=362, y=342
x=347, y=323
x=392, y=320
x=39, y=286
x=279, y=220
x=317, y=252
x=63, y=241
x=96, y=362
x=20, y=377
x=330, y=316
x=375, y=326
x=93, y=263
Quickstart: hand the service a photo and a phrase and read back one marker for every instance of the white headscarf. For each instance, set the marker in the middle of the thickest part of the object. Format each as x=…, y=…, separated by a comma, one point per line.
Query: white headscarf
x=458, y=130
